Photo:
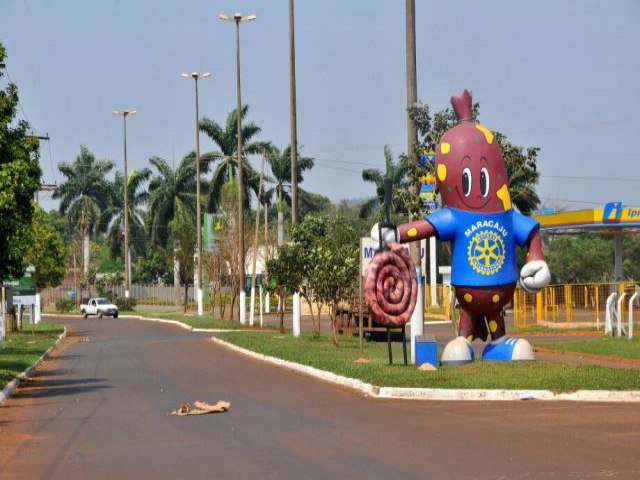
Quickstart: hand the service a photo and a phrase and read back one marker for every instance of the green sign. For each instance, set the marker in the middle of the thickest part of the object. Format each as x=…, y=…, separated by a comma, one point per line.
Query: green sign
x=25, y=285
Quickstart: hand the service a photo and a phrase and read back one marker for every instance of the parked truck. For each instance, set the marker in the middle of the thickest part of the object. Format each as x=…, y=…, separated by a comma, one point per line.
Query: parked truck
x=99, y=307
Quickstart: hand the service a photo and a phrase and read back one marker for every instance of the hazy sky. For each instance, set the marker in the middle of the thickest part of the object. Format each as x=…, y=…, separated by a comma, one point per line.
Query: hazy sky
x=564, y=76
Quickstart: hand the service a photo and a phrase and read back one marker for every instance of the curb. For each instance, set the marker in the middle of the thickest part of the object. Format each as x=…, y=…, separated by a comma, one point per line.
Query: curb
x=13, y=384
x=400, y=393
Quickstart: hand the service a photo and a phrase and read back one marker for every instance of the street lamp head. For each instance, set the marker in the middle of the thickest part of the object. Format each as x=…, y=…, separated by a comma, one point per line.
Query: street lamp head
x=248, y=18
x=237, y=17
x=124, y=113
x=224, y=16
x=195, y=75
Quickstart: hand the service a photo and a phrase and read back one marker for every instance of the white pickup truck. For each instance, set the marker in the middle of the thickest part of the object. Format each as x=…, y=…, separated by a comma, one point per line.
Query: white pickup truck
x=99, y=307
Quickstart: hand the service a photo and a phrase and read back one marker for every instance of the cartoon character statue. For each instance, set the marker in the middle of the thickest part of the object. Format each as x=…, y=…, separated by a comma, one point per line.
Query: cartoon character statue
x=478, y=219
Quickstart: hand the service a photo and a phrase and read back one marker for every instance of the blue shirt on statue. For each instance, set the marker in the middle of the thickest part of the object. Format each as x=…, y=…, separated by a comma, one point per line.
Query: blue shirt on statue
x=483, y=245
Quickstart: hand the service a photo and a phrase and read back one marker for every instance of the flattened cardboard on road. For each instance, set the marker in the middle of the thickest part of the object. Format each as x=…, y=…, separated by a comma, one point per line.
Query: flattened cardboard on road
x=201, y=408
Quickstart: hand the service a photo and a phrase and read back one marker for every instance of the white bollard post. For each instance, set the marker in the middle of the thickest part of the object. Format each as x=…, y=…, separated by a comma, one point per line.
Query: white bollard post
x=267, y=303
x=37, y=309
x=296, y=315
x=243, y=307
x=608, y=320
x=432, y=272
x=619, y=314
x=417, y=317
x=260, y=292
x=631, y=300
x=252, y=302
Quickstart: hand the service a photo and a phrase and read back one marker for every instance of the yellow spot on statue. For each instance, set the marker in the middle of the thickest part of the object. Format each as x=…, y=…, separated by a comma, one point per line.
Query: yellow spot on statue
x=488, y=136
x=493, y=326
x=503, y=194
x=445, y=148
x=412, y=232
x=470, y=338
x=468, y=298
x=495, y=298
x=442, y=172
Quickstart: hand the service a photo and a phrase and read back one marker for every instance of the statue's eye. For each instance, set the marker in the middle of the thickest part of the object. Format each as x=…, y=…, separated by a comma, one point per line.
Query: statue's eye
x=484, y=181
x=466, y=181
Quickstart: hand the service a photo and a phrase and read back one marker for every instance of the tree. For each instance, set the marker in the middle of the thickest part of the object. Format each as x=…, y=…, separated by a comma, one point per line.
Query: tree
x=183, y=240
x=226, y=138
x=579, y=258
x=334, y=269
x=286, y=274
x=84, y=195
x=113, y=215
x=154, y=267
x=280, y=163
x=172, y=196
x=47, y=254
x=19, y=181
x=397, y=173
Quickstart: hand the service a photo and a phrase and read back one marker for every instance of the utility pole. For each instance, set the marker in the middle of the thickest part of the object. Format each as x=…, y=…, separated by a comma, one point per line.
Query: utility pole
x=294, y=126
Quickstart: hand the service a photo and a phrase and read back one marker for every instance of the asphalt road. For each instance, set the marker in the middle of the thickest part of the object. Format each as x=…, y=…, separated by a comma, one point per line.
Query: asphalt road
x=98, y=410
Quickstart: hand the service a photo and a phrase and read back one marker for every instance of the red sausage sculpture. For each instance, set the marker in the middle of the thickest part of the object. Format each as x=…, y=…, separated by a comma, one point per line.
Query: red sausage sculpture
x=478, y=219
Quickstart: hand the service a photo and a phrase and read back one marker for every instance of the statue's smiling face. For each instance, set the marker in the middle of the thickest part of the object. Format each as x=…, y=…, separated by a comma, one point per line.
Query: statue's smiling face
x=470, y=172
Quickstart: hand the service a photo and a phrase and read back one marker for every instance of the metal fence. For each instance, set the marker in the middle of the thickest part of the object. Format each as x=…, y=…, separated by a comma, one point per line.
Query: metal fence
x=576, y=304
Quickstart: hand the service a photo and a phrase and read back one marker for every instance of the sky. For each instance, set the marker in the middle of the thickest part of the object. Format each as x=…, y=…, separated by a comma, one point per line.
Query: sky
x=562, y=76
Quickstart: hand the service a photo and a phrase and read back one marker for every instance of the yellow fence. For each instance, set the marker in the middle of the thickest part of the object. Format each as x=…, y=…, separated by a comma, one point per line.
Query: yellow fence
x=580, y=303
x=568, y=304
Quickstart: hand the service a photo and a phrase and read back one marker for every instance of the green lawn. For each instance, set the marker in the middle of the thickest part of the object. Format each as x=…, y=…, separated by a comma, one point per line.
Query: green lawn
x=613, y=346
x=317, y=351
x=21, y=350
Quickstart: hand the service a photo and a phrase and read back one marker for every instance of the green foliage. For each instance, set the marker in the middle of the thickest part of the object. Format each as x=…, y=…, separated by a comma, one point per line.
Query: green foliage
x=397, y=173
x=286, y=271
x=579, y=258
x=333, y=273
x=107, y=284
x=48, y=254
x=126, y=304
x=19, y=181
x=631, y=257
x=65, y=305
x=155, y=268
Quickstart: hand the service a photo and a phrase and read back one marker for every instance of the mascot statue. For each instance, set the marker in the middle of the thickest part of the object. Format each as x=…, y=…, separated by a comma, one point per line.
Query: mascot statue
x=479, y=220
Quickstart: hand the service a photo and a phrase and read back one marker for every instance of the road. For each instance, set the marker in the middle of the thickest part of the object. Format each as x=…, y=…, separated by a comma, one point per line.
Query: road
x=98, y=410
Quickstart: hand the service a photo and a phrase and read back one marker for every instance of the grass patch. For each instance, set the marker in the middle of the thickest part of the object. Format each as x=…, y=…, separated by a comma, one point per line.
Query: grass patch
x=21, y=350
x=548, y=330
x=316, y=351
x=620, y=347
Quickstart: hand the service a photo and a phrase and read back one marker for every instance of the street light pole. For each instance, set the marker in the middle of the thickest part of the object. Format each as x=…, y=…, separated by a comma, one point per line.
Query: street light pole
x=127, y=280
x=199, y=296
x=293, y=116
x=238, y=18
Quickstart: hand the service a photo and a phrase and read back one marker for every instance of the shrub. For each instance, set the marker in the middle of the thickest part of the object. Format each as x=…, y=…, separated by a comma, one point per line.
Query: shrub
x=65, y=305
x=127, y=304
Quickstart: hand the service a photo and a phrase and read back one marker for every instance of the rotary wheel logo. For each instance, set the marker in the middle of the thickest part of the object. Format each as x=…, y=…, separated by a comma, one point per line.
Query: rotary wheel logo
x=486, y=252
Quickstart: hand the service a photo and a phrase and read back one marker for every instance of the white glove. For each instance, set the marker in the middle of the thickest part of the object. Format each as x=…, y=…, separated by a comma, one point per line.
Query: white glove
x=534, y=276
x=388, y=235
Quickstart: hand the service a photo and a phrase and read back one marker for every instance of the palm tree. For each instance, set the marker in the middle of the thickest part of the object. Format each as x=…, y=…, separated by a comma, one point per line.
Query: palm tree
x=397, y=172
x=113, y=216
x=84, y=194
x=226, y=140
x=172, y=196
x=280, y=163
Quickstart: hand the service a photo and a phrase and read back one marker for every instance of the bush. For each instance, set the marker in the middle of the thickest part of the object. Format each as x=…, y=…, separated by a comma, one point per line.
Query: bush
x=65, y=305
x=127, y=304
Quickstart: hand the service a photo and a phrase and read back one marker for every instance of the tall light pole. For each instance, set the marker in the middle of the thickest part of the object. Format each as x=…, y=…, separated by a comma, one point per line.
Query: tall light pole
x=196, y=76
x=127, y=280
x=293, y=116
x=238, y=18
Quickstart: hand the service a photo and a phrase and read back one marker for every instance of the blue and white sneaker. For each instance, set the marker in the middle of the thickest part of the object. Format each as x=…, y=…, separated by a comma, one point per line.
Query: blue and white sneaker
x=508, y=349
x=457, y=352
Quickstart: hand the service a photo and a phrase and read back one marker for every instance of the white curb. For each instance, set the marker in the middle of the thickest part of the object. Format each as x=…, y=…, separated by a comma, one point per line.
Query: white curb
x=401, y=393
x=13, y=384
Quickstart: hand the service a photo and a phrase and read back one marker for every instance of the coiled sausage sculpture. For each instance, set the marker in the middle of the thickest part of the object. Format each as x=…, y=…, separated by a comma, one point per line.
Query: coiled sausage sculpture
x=390, y=287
